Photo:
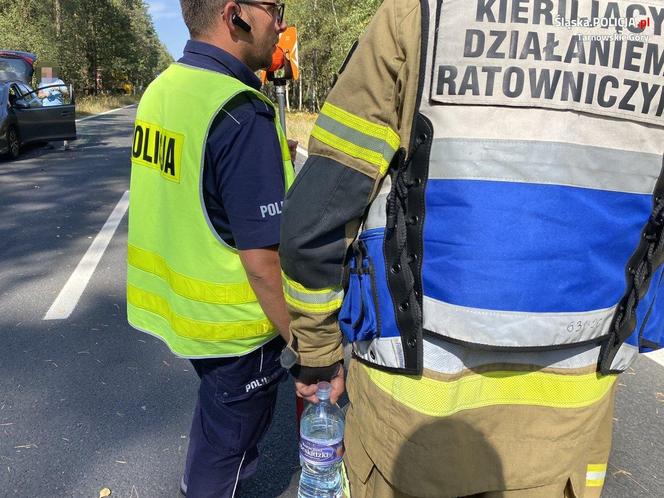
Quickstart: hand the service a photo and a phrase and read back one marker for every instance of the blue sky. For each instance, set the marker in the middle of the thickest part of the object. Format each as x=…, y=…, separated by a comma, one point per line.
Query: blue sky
x=167, y=19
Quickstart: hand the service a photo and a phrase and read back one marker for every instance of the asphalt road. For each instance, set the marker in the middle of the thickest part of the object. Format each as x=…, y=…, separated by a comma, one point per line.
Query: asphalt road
x=88, y=403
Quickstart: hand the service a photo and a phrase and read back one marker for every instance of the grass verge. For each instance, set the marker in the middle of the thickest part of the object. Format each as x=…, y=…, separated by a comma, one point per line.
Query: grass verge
x=299, y=126
x=95, y=104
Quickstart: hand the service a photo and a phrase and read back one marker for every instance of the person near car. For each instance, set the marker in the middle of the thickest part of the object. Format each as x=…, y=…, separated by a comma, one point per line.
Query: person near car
x=210, y=167
x=47, y=92
x=50, y=95
x=492, y=184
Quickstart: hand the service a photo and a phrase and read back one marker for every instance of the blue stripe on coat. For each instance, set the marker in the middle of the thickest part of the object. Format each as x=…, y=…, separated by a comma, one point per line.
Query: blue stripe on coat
x=528, y=247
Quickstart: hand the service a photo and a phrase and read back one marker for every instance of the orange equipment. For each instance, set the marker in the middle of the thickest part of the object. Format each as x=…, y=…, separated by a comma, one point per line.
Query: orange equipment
x=285, y=56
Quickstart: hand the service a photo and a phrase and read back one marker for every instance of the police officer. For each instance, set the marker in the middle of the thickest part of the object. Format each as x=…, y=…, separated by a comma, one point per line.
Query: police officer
x=488, y=173
x=209, y=161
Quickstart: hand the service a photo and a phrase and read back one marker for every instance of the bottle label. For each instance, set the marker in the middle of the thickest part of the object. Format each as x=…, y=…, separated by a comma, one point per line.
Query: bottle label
x=321, y=454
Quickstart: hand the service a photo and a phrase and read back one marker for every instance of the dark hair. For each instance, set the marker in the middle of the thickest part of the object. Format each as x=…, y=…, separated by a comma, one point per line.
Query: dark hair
x=200, y=15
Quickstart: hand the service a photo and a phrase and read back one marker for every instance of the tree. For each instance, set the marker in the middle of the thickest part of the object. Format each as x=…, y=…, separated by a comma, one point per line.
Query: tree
x=33, y=33
x=116, y=38
x=86, y=38
x=327, y=30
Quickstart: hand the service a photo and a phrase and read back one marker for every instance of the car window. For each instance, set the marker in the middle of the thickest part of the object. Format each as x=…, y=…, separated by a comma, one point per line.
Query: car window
x=25, y=89
x=13, y=69
x=22, y=93
x=29, y=95
x=14, y=94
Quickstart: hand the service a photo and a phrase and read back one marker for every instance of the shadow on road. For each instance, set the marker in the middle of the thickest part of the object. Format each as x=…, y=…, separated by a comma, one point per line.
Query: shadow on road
x=54, y=200
x=87, y=402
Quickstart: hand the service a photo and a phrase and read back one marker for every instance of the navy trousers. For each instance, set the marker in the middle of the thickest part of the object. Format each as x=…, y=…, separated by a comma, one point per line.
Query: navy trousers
x=235, y=405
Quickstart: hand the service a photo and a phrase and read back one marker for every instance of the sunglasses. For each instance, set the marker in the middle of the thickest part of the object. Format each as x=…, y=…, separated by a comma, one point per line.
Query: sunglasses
x=278, y=8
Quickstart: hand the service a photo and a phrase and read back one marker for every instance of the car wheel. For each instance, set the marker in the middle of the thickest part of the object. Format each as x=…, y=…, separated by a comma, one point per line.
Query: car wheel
x=13, y=143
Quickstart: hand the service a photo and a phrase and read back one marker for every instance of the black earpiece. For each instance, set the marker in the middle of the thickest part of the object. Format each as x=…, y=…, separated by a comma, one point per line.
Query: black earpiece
x=240, y=23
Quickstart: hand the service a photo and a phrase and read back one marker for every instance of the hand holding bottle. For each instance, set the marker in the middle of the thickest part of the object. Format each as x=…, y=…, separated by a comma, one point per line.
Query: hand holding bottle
x=307, y=390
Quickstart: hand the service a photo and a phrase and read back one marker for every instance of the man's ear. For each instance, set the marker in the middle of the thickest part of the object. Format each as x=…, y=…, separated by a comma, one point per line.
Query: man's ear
x=230, y=9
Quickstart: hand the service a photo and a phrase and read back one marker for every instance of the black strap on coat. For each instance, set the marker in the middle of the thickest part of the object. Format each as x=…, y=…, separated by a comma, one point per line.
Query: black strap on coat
x=403, y=244
x=643, y=264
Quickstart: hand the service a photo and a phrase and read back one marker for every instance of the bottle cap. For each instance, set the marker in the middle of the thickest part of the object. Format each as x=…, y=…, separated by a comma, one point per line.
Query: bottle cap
x=323, y=392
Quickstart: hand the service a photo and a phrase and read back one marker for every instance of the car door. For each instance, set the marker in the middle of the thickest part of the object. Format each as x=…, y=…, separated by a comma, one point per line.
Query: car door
x=52, y=122
x=26, y=120
x=60, y=118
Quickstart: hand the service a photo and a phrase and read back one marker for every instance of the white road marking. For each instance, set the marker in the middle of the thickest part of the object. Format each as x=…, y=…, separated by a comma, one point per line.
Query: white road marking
x=66, y=302
x=657, y=356
x=103, y=113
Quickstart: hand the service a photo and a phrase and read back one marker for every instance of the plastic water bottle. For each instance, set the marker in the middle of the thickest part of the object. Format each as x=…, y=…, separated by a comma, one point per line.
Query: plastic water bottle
x=321, y=448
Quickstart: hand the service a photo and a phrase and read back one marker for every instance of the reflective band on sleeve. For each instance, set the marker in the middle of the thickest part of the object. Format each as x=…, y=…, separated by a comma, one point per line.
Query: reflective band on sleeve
x=356, y=137
x=196, y=329
x=437, y=398
x=595, y=475
x=311, y=301
x=197, y=290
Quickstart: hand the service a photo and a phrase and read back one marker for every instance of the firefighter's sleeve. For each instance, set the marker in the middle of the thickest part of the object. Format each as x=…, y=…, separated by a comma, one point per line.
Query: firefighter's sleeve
x=366, y=118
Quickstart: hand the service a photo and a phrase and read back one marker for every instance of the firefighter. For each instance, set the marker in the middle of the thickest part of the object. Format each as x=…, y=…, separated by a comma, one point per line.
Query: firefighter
x=480, y=216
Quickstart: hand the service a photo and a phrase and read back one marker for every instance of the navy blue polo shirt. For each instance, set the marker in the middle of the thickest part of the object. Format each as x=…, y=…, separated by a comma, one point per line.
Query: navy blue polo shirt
x=243, y=178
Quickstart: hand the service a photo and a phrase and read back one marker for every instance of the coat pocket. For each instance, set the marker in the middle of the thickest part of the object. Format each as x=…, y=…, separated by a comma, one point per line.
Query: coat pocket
x=359, y=319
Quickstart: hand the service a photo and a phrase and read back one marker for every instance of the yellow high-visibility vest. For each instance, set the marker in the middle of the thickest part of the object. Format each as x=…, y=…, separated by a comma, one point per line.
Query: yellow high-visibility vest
x=184, y=284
